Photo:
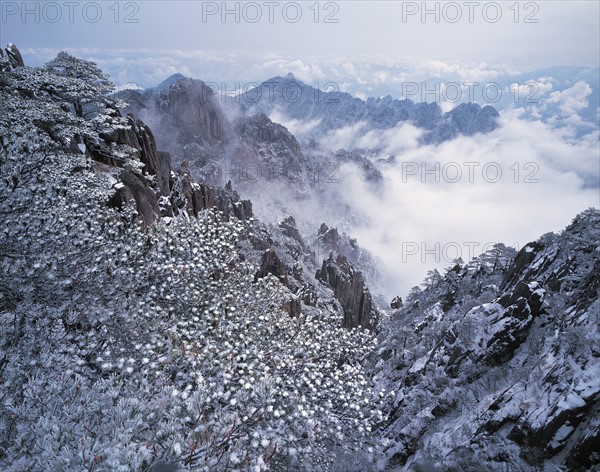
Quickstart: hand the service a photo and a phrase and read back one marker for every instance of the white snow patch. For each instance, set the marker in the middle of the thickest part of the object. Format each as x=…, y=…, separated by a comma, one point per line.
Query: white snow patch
x=563, y=432
x=571, y=402
x=419, y=364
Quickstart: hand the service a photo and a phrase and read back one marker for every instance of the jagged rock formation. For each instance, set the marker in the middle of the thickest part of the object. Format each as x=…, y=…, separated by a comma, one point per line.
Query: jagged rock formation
x=141, y=138
x=329, y=240
x=506, y=374
x=289, y=229
x=281, y=251
x=349, y=288
x=10, y=58
x=200, y=196
x=271, y=264
x=157, y=179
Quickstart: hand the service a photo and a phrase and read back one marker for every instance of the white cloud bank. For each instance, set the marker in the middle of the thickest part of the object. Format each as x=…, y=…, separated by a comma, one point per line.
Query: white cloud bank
x=415, y=223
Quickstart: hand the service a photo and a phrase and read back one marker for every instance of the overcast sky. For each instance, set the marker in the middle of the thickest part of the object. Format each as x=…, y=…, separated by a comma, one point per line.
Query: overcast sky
x=519, y=35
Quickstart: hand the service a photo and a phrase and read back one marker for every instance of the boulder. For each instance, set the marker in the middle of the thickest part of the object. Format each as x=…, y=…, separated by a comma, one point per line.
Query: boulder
x=396, y=303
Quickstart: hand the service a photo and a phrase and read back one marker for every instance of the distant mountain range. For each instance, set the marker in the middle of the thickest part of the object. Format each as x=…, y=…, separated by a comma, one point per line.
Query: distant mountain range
x=334, y=110
x=299, y=101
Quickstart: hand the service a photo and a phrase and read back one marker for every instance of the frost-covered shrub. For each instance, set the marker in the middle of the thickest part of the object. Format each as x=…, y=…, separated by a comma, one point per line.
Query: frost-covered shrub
x=123, y=347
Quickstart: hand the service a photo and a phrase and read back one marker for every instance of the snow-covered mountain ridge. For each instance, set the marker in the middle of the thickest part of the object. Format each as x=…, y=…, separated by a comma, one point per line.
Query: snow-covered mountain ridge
x=496, y=364
x=150, y=320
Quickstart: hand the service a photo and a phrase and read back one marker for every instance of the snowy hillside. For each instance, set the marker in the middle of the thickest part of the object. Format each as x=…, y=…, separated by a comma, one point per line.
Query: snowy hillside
x=151, y=318
x=496, y=364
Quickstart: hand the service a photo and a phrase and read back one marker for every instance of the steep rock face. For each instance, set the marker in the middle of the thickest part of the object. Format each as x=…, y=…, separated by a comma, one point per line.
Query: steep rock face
x=177, y=191
x=140, y=137
x=271, y=264
x=187, y=119
x=507, y=374
x=349, y=288
x=509, y=327
x=329, y=240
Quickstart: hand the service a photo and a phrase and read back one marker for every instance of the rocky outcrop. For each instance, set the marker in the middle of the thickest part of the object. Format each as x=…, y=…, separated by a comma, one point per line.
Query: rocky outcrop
x=140, y=137
x=271, y=264
x=134, y=188
x=199, y=196
x=289, y=229
x=266, y=152
x=163, y=171
x=510, y=328
x=330, y=240
x=176, y=192
x=10, y=58
x=330, y=237
x=349, y=289
x=396, y=303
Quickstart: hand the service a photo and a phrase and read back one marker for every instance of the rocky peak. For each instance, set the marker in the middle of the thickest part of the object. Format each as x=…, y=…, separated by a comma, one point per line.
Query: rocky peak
x=171, y=80
x=188, y=119
x=470, y=118
x=194, y=110
x=259, y=129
